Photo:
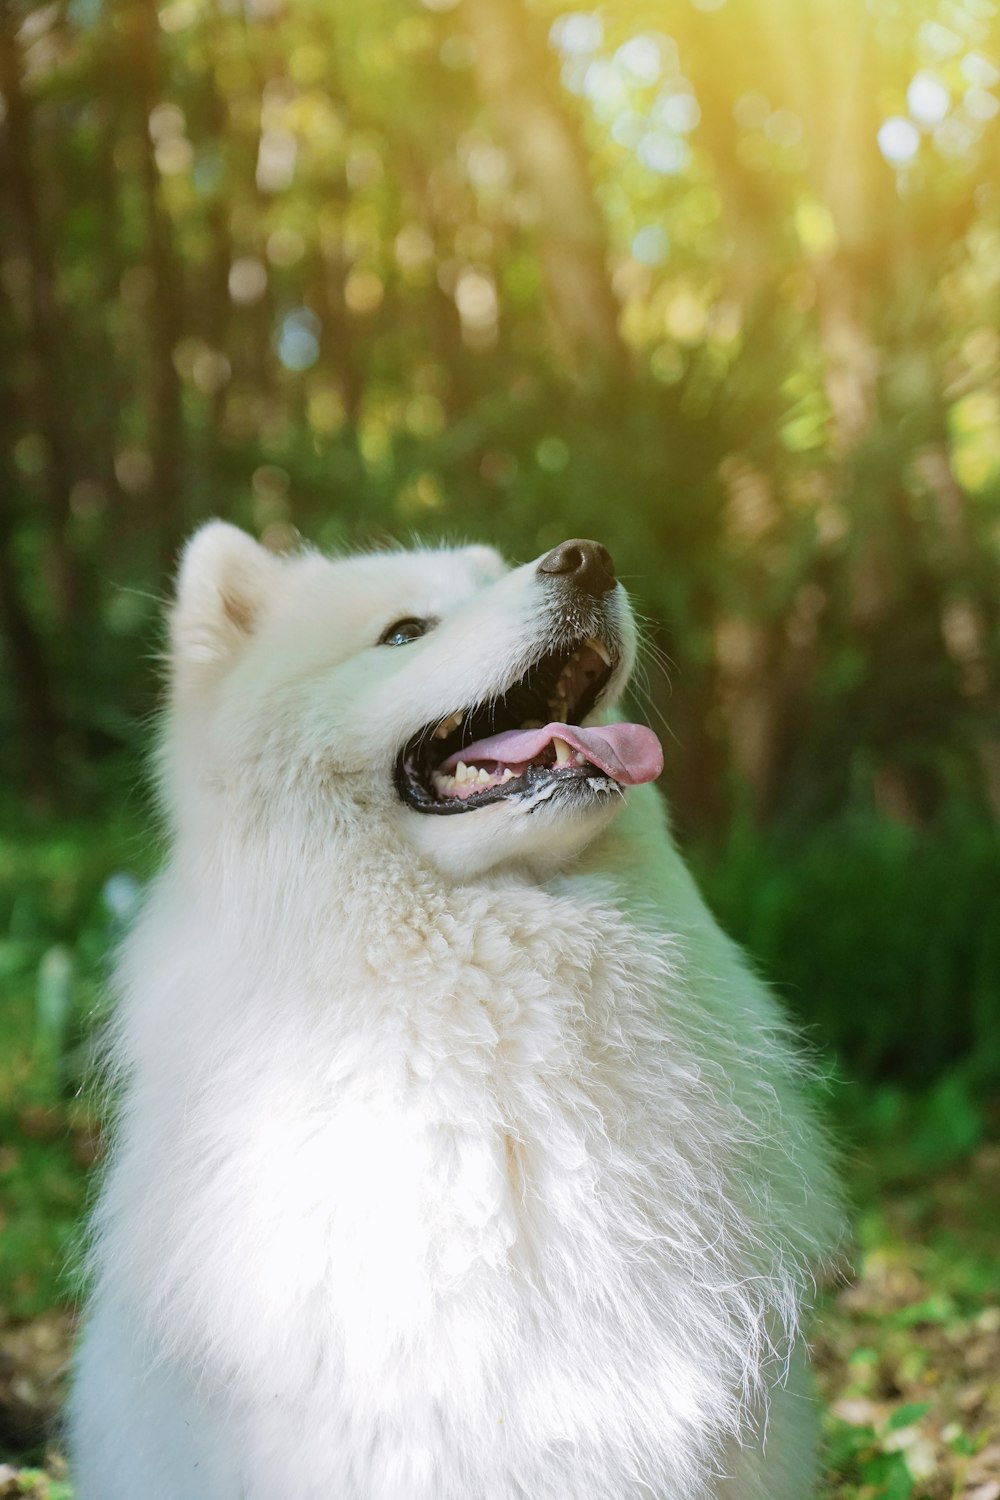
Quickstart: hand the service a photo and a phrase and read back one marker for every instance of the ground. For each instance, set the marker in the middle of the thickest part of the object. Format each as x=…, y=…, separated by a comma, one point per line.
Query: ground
x=908, y=1354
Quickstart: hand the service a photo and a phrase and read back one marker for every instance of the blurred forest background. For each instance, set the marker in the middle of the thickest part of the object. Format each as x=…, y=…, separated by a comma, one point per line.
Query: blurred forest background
x=715, y=281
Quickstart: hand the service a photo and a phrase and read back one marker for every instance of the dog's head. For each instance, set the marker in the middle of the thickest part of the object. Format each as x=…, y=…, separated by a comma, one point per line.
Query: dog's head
x=466, y=703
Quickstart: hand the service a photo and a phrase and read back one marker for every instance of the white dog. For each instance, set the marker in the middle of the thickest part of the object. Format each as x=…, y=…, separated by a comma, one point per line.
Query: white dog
x=460, y=1156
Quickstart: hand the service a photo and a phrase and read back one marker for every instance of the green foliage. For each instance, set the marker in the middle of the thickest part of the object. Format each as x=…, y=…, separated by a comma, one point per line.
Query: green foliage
x=42, y=1196
x=878, y=936
x=36, y=1484
x=328, y=288
x=62, y=891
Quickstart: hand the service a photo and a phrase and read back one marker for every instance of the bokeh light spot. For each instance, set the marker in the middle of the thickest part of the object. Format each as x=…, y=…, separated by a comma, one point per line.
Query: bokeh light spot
x=423, y=493
x=979, y=71
x=209, y=172
x=676, y=110
x=552, y=454
x=928, y=98
x=363, y=290
x=784, y=128
x=133, y=470
x=414, y=247
x=815, y=226
x=628, y=128
x=898, y=140
x=640, y=57
x=276, y=157
x=425, y=415
x=573, y=74
x=686, y=317
x=285, y=246
x=752, y=110
x=297, y=343
x=956, y=137
x=476, y=300
x=178, y=15
x=604, y=85
x=981, y=104
x=937, y=42
x=650, y=245
x=325, y=409
x=174, y=155
x=31, y=453
x=166, y=123
x=247, y=280
x=88, y=499
x=577, y=34
x=663, y=153
x=486, y=164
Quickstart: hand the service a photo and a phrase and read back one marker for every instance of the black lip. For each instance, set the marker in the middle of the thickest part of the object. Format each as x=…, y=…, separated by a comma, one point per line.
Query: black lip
x=526, y=698
x=571, y=779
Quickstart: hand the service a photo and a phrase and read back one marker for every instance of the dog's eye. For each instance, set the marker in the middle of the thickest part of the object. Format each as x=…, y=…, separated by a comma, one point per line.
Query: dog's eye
x=403, y=631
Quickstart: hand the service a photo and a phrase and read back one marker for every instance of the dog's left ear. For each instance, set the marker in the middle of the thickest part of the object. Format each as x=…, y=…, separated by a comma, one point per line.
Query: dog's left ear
x=488, y=563
x=223, y=585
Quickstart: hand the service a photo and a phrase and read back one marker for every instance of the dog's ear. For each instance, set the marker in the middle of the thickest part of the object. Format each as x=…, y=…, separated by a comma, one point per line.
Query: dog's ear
x=223, y=583
x=488, y=563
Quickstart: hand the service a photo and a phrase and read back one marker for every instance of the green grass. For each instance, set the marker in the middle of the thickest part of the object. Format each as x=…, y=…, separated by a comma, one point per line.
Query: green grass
x=58, y=921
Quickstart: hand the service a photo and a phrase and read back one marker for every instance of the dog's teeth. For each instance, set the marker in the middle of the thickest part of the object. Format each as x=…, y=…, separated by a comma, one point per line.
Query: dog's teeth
x=507, y=775
x=600, y=648
x=484, y=776
x=447, y=726
x=581, y=760
x=564, y=755
x=461, y=772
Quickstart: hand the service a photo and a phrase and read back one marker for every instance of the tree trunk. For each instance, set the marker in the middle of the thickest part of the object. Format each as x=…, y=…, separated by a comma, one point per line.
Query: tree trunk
x=549, y=160
x=27, y=667
x=18, y=178
x=166, y=431
x=218, y=306
x=113, y=395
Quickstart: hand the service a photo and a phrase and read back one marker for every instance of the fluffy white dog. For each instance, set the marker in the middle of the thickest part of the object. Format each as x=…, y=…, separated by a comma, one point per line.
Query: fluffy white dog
x=460, y=1156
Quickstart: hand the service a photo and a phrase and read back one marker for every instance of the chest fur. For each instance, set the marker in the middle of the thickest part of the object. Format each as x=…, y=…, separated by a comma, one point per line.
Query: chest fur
x=489, y=1159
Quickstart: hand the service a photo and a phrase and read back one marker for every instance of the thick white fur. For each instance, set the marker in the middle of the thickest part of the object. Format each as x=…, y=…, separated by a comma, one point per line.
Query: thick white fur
x=458, y=1158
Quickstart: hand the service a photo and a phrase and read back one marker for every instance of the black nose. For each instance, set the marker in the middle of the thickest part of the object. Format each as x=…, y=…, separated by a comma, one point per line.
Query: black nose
x=586, y=564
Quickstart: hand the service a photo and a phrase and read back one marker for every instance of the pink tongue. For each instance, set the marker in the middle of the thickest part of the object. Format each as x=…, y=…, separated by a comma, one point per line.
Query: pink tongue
x=629, y=753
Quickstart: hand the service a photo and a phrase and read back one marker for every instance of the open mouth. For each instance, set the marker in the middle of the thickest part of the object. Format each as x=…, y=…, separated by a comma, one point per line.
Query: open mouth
x=530, y=742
